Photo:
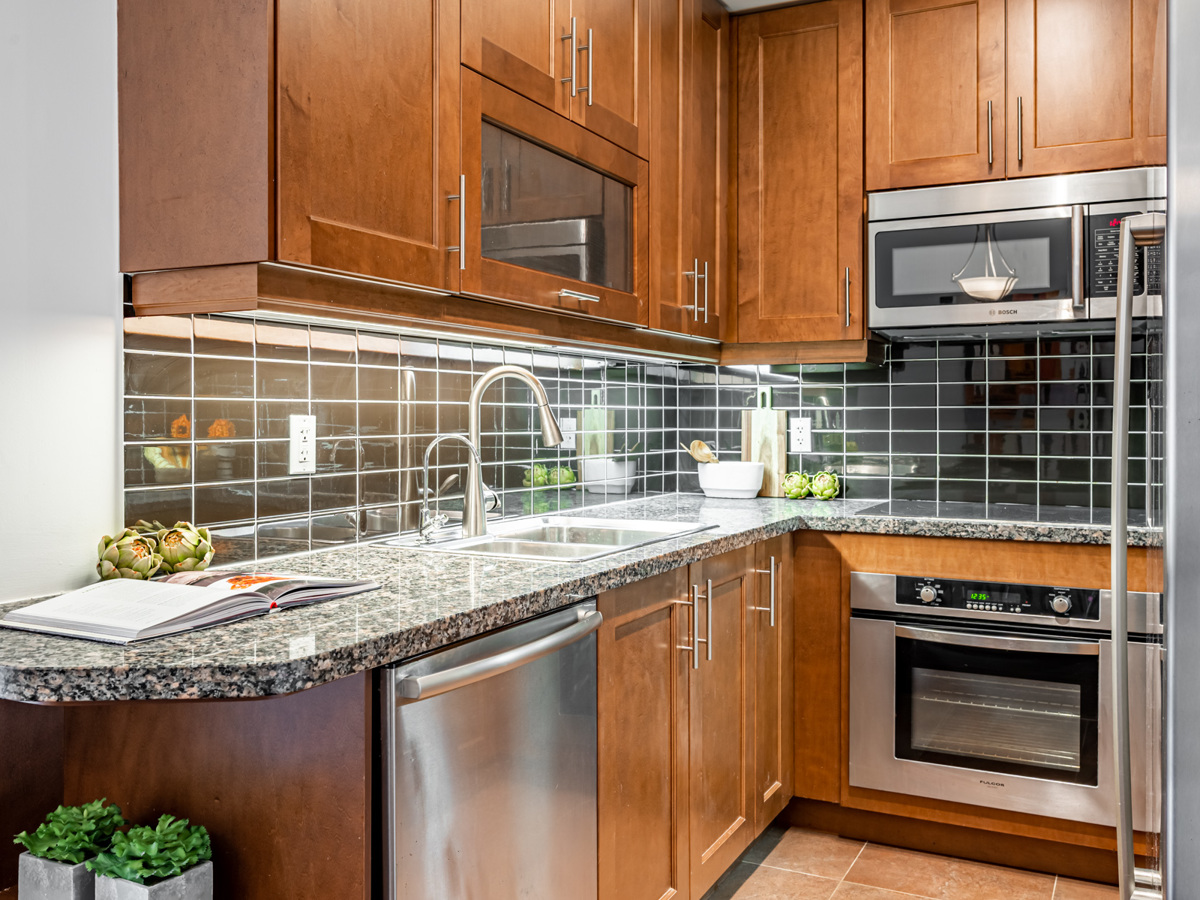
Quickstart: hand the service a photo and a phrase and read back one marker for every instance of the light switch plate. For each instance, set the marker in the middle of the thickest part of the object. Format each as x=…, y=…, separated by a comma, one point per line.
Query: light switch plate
x=800, y=434
x=302, y=445
x=567, y=425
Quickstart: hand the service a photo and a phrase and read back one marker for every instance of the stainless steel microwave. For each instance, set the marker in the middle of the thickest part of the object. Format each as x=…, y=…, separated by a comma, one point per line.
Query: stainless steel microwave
x=1029, y=250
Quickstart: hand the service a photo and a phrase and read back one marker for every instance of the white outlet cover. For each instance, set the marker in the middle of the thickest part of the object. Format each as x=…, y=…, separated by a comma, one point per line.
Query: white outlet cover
x=800, y=434
x=302, y=445
x=567, y=425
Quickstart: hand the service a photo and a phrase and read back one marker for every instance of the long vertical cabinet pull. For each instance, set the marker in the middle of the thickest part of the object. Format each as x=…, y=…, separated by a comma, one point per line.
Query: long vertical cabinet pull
x=694, y=274
x=989, y=132
x=708, y=600
x=1142, y=230
x=847, y=296
x=590, y=51
x=694, y=649
x=771, y=608
x=571, y=36
x=461, y=197
x=1020, y=128
x=705, y=291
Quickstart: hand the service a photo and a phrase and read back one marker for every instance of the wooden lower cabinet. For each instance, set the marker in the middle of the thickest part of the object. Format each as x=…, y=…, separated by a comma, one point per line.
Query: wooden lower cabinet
x=695, y=753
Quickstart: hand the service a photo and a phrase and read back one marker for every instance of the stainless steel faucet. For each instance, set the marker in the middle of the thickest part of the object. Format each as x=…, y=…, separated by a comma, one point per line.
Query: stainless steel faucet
x=474, y=517
x=432, y=522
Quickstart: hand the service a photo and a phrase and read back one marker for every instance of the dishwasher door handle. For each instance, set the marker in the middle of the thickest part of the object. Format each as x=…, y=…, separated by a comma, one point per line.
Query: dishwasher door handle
x=421, y=687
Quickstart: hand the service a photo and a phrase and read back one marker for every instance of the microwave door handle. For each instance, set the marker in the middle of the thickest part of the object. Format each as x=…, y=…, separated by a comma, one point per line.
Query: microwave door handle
x=1078, y=273
x=1141, y=230
x=1020, y=645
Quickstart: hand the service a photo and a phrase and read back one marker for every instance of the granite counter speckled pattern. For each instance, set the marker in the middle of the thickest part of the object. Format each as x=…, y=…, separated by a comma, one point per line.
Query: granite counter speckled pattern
x=429, y=600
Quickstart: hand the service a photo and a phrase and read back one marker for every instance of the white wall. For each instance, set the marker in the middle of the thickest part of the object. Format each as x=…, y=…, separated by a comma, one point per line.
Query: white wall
x=60, y=291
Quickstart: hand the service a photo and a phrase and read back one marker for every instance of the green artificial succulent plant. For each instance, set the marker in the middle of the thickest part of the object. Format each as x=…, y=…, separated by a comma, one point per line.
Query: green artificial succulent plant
x=184, y=548
x=795, y=485
x=128, y=555
x=825, y=485
x=144, y=854
x=72, y=834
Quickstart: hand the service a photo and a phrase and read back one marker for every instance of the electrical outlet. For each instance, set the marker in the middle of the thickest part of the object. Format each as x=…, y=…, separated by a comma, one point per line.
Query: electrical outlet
x=567, y=425
x=800, y=434
x=302, y=445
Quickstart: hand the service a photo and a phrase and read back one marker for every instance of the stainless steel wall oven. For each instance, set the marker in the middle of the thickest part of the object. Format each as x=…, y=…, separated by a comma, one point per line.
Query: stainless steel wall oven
x=999, y=695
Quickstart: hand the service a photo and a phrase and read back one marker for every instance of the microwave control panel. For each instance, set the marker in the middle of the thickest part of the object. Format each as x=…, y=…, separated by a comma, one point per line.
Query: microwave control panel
x=993, y=597
x=1105, y=236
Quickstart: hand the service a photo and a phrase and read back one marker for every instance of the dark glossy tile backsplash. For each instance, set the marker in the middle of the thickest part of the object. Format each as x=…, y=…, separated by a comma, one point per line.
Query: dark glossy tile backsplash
x=207, y=402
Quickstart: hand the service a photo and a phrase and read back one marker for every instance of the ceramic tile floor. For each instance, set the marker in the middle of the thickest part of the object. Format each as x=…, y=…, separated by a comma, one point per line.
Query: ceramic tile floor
x=797, y=864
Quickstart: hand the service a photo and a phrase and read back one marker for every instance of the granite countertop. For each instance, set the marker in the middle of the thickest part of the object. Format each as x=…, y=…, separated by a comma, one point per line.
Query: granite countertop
x=429, y=600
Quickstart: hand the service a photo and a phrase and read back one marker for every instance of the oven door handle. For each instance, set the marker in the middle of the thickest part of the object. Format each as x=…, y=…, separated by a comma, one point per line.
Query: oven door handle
x=1022, y=645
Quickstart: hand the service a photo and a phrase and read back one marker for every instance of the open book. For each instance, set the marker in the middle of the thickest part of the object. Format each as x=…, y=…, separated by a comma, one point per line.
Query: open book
x=123, y=610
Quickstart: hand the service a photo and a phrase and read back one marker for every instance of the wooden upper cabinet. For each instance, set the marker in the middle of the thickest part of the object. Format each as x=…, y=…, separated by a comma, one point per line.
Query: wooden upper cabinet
x=935, y=92
x=721, y=793
x=368, y=141
x=1085, y=85
x=527, y=46
x=518, y=43
x=799, y=174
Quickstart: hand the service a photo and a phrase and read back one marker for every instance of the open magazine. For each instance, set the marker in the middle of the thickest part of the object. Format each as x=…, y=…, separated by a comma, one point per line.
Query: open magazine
x=121, y=610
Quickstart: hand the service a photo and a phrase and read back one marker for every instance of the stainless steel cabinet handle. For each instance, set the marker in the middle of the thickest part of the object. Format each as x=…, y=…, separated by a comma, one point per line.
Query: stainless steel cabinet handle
x=708, y=600
x=590, y=48
x=578, y=295
x=1020, y=128
x=1141, y=230
x=694, y=603
x=1021, y=645
x=461, y=197
x=421, y=687
x=706, y=292
x=771, y=608
x=847, y=296
x=694, y=274
x=574, y=53
x=989, y=132
x=1078, y=287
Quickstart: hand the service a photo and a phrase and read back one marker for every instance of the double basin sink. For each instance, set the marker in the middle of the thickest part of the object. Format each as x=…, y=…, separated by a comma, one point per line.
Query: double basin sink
x=556, y=538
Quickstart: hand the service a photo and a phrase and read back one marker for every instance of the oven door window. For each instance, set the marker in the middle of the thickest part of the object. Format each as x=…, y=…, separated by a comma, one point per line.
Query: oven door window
x=918, y=267
x=1019, y=713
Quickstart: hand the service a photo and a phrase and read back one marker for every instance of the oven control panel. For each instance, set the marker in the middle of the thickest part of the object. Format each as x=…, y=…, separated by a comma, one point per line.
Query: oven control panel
x=997, y=597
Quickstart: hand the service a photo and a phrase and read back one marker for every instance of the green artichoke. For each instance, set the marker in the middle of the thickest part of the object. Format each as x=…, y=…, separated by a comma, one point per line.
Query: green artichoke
x=128, y=555
x=561, y=475
x=184, y=548
x=536, y=475
x=825, y=485
x=795, y=485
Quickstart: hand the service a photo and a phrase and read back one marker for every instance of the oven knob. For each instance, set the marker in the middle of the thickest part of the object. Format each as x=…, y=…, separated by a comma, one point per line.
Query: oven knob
x=928, y=594
x=1061, y=604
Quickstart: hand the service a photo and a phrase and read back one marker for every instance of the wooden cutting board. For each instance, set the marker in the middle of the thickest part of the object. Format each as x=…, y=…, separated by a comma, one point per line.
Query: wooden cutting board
x=764, y=440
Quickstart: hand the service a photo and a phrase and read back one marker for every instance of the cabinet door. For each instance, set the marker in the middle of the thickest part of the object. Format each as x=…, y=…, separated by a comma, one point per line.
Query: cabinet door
x=774, y=678
x=935, y=92
x=721, y=808
x=555, y=215
x=612, y=74
x=642, y=701
x=799, y=173
x=368, y=138
x=1085, y=85
x=519, y=44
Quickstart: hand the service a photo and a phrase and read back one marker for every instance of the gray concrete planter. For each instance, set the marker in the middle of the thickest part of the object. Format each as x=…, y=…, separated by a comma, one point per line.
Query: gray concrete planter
x=45, y=879
x=194, y=884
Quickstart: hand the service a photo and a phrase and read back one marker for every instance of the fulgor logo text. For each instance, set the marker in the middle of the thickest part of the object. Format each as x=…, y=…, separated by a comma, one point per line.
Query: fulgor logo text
x=992, y=783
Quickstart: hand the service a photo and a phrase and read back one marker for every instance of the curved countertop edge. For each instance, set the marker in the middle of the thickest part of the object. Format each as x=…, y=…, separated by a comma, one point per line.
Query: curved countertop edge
x=50, y=683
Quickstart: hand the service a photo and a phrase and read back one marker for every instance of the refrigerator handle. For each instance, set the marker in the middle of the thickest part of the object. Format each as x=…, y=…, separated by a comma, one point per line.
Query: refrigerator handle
x=1140, y=230
x=420, y=687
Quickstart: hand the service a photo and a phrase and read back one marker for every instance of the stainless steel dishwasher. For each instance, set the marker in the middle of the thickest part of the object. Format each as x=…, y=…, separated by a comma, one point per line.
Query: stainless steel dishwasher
x=490, y=765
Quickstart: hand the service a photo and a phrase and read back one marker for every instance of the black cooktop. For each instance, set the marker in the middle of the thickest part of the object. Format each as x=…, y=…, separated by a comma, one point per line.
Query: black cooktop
x=1000, y=512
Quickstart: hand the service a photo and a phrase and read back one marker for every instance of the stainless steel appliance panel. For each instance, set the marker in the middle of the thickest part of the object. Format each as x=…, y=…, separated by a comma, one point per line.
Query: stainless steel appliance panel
x=490, y=777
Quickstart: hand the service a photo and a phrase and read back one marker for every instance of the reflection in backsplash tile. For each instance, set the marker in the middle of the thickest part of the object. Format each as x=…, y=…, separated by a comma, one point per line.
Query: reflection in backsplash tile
x=208, y=400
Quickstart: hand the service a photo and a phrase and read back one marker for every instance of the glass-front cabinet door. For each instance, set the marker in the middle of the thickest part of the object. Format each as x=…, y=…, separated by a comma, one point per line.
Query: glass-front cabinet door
x=553, y=215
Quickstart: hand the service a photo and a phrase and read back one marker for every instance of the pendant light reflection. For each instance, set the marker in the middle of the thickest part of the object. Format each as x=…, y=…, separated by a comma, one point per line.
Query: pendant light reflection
x=992, y=283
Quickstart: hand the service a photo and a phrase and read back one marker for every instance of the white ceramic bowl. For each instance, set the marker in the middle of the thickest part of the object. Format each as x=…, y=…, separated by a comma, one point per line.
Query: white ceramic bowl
x=731, y=479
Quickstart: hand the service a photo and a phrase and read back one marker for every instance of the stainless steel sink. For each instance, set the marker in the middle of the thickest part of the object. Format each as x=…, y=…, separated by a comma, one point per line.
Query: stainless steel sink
x=556, y=538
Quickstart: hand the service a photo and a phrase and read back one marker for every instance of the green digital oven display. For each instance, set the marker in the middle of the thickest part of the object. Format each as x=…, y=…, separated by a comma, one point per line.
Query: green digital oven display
x=979, y=596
